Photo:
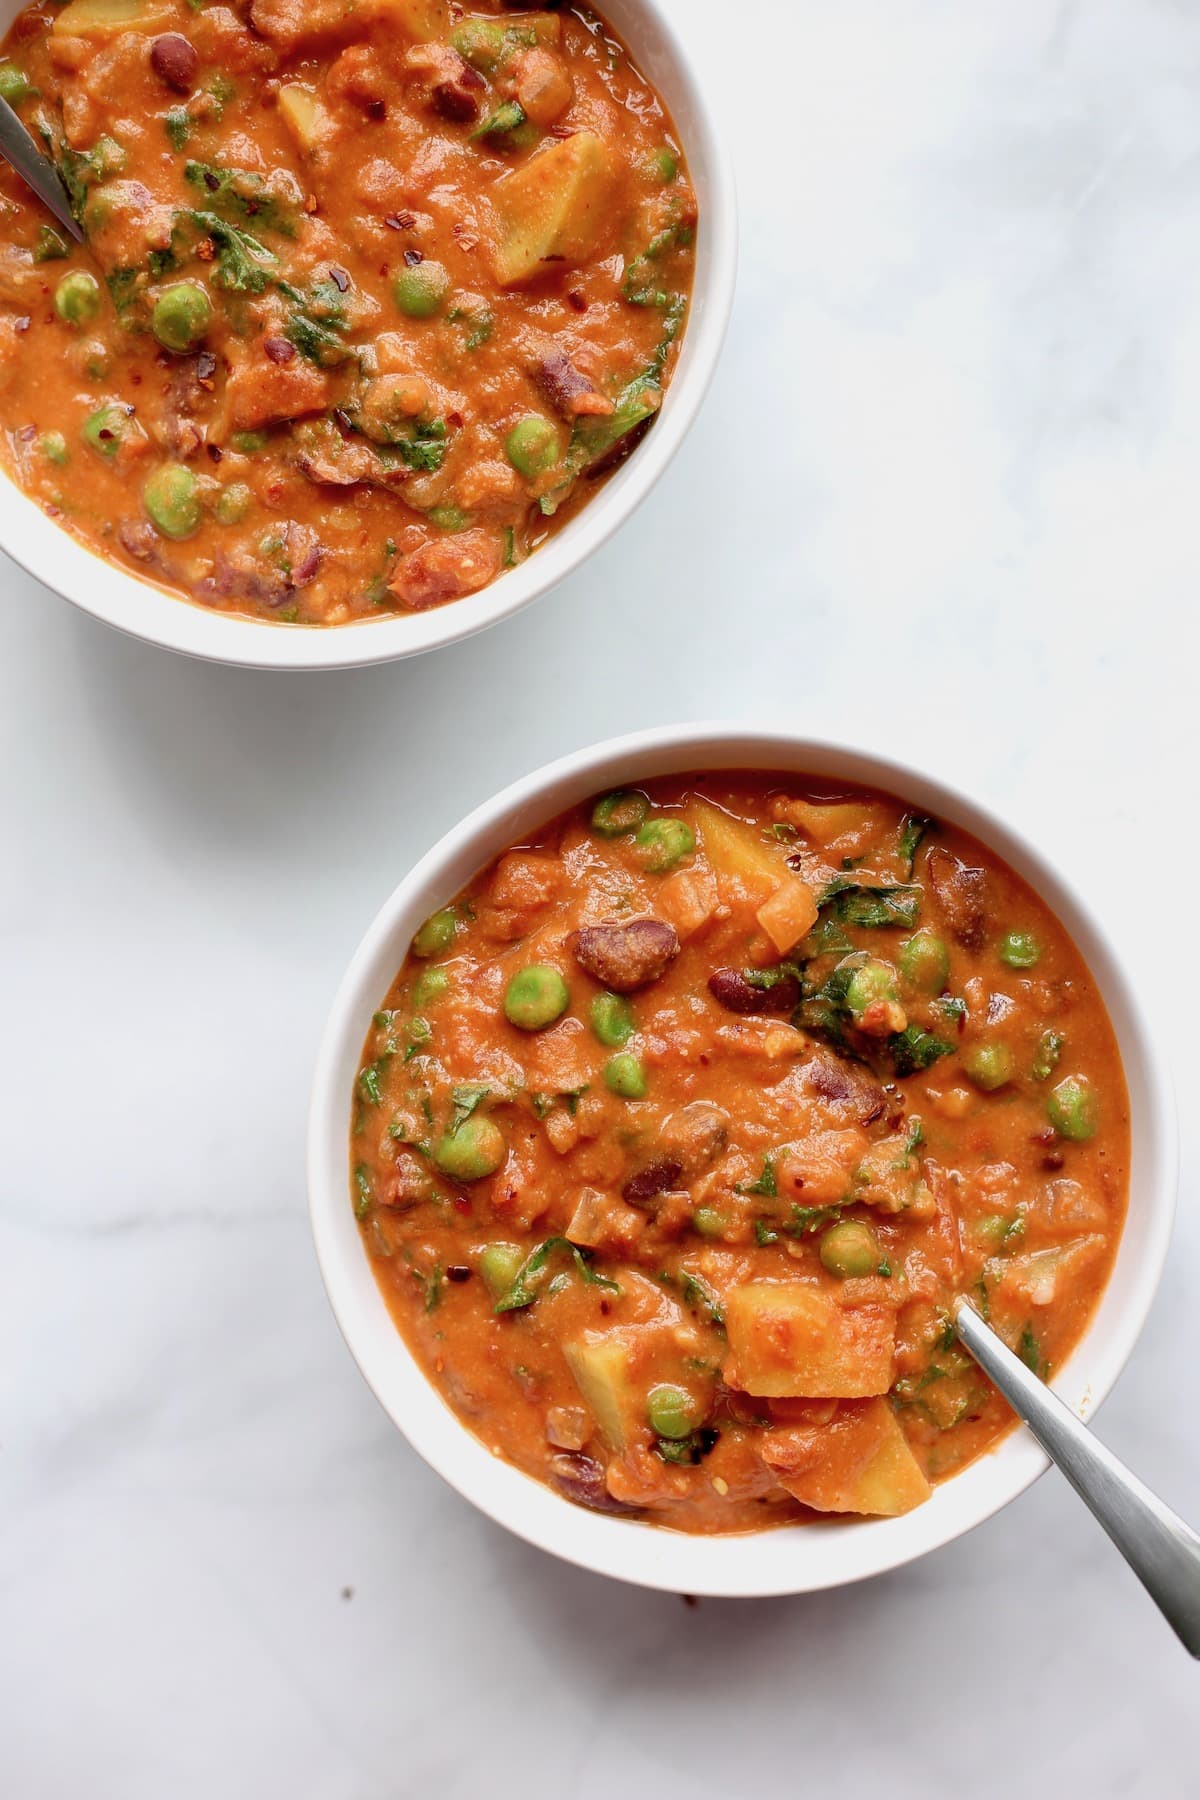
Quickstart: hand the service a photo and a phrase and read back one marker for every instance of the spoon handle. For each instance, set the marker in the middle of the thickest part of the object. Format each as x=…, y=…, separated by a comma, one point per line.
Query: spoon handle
x=18, y=148
x=1162, y=1551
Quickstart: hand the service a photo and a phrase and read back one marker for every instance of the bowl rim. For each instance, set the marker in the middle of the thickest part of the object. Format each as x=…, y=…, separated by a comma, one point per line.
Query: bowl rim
x=781, y=1560
x=142, y=610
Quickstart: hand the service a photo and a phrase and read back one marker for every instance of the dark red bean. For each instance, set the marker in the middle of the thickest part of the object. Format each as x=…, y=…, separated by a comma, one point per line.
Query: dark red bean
x=737, y=994
x=174, y=61
x=658, y=1177
x=625, y=957
x=963, y=894
x=581, y=1478
x=846, y=1084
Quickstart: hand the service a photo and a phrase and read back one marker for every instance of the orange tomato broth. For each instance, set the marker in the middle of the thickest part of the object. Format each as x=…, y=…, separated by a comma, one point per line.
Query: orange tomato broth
x=794, y=1069
x=336, y=256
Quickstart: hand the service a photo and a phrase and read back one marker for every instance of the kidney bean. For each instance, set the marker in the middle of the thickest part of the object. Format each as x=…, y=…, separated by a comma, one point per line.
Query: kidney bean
x=738, y=995
x=658, y=1177
x=625, y=957
x=581, y=1478
x=174, y=61
x=846, y=1084
x=963, y=895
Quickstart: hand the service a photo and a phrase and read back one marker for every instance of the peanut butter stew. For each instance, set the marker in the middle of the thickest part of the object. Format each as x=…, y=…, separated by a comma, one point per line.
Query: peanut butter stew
x=371, y=295
x=682, y=1128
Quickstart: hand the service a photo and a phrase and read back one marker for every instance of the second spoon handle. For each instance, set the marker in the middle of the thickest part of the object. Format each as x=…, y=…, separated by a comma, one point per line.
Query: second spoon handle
x=1162, y=1551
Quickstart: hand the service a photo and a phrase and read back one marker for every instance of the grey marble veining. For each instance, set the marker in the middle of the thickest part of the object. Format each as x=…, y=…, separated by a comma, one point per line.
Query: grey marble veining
x=943, y=497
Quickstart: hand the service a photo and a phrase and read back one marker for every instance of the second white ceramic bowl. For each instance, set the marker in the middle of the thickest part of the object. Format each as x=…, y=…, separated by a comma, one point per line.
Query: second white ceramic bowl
x=792, y=1559
x=119, y=598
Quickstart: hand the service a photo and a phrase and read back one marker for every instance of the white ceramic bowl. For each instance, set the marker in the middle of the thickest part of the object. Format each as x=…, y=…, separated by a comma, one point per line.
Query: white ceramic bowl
x=792, y=1559
x=144, y=611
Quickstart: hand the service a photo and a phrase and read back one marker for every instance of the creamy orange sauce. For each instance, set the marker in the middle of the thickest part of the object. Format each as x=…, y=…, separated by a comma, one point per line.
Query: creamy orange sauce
x=371, y=297
x=683, y=1127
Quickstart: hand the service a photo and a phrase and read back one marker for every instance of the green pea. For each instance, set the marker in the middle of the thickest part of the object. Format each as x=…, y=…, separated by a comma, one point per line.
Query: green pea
x=109, y=427
x=870, y=983
x=54, y=448
x=989, y=1066
x=661, y=843
x=419, y=291
x=850, y=1249
x=479, y=42
x=925, y=962
x=672, y=1412
x=708, y=1222
x=620, y=813
x=436, y=934
x=181, y=316
x=612, y=1019
x=448, y=518
x=535, y=997
x=233, y=503
x=172, y=500
x=14, y=84
x=499, y=1265
x=249, y=442
x=476, y=1149
x=1020, y=950
x=1073, y=1110
x=625, y=1075
x=77, y=297
x=98, y=361
x=662, y=165
x=430, y=984
x=532, y=446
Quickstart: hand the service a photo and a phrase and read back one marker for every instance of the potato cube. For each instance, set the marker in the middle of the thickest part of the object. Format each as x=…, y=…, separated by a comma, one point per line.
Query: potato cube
x=553, y=208
x=791, y=1337
x=860, y=1463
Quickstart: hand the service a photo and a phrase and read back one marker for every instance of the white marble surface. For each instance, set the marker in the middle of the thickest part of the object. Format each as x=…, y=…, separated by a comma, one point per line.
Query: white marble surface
x=943, y=495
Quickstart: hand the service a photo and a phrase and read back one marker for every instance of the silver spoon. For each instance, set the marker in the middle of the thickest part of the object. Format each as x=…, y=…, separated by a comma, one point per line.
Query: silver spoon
x=18, y=148
x=1162, y=1551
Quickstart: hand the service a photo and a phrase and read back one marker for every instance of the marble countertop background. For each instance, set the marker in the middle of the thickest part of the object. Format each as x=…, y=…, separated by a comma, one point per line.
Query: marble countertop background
x=945, y=497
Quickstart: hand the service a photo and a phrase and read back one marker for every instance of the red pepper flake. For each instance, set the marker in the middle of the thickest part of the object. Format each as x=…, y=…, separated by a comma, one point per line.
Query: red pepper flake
x=576, y=300
x=376, y=109
x=339, y=277
x=413, y=257
x=280, y=350
x=458, y=1272
x=215, y=452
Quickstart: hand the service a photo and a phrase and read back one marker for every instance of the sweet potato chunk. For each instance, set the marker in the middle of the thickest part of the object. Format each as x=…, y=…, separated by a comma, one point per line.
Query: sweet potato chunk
x=860, y=1463
x=789, y=914
x=790, y=1337
x=553, y=208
